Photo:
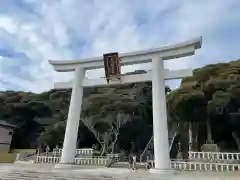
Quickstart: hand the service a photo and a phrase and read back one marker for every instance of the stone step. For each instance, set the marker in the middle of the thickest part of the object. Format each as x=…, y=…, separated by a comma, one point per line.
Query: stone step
x=50, y=176
x=35, y=175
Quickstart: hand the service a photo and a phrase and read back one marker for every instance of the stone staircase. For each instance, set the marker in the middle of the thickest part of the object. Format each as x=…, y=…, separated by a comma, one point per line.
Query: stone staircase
x=70, y=175
x=35, y=175
x=46, y=172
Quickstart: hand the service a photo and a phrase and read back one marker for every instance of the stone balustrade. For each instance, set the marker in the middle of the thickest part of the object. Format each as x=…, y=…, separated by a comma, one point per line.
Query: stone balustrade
x=212, y=161
x=81, y=161
x=101, y=161
x=83, y=151
x=47, y=160
x=202, y=166
x=214, y=156
x=177, y=165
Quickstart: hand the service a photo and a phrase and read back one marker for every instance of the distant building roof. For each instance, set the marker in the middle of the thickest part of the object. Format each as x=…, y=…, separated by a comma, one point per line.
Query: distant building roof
x=6, y=124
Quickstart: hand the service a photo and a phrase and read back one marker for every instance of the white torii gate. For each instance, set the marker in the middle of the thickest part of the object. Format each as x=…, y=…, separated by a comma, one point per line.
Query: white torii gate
x=157, y=76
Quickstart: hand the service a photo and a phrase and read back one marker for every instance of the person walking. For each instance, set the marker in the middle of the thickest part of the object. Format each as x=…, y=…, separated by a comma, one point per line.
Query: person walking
x=37, y=152
x=130, y=161
x=134, y=162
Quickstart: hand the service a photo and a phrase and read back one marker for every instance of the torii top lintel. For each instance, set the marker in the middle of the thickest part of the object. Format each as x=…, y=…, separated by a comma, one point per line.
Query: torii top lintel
x=183, y=49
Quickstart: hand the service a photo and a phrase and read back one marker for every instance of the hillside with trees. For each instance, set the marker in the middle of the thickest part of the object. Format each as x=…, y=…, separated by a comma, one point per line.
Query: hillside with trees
x=209, y=102
x=120, y=118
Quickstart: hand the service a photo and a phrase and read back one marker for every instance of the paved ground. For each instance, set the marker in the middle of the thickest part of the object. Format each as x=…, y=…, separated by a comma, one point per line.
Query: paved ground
x=40, y=171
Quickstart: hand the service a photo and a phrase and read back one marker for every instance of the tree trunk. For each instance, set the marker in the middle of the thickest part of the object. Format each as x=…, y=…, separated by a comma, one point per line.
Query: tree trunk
x=103, y=148
x=105, y=143
x=196, y=137
x=190, y=136
x=236, y=138
x=114, y=142
x=113, y=145
x=183, y=134
x=112, y=148
x=209, y=132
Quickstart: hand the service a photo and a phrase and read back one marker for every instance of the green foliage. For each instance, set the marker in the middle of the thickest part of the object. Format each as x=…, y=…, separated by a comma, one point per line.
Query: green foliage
x=41, y=118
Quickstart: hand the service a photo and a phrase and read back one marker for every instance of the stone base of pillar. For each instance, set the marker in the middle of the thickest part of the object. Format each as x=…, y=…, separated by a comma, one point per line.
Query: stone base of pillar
x=66, y=166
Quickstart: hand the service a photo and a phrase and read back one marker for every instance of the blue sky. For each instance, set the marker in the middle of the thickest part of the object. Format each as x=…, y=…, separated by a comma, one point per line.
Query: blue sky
x=33, y=31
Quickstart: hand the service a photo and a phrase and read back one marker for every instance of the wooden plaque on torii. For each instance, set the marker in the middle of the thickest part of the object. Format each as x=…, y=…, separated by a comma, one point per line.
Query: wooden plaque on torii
x=112, y=67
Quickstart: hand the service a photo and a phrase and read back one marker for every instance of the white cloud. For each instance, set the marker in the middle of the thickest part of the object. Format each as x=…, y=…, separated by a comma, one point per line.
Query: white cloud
x=8, y=24
x=68, y=29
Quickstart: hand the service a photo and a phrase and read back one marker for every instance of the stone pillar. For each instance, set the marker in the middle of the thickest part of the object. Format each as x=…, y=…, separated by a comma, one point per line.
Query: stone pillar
x=160, y=127
x=71, y=134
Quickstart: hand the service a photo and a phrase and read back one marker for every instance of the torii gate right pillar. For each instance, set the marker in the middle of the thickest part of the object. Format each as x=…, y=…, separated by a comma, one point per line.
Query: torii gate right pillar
x=160, y=127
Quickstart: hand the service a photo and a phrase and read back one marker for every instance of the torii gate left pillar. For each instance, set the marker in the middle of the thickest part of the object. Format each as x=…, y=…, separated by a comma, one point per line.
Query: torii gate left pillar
x=157, y=76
